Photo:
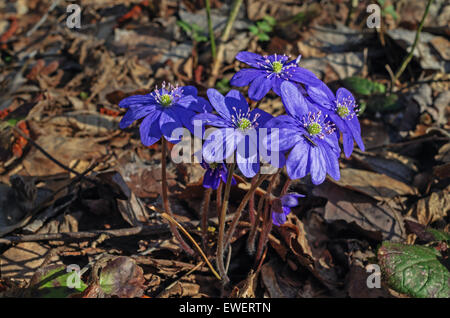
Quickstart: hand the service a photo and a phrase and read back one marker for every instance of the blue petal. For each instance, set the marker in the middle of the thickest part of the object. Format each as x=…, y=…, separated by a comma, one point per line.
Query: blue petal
x=149, y=129
x=297, y=164
x=291, y=199
x=332, y=161
x=347, y=140
x=343, y=94
x=294, y=102
x=219, y=145
x=190, y=90
x=304, y=76
x=259, y=87
x=218, y=102
x=318, y=165
x=263, y=117
x=247, y=157
x=211, y=179
x=236, y=102
x=135, y=113
x=250, y=58
x=278, y=218
x=212, y=120
x=168, y=122
x=137, y=100
x=322, y=95
x=245, y=76
x=355, y=128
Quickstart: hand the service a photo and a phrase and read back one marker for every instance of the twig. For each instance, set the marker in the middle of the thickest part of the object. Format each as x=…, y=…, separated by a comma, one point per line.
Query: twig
x=210, y=29
x=165, y=198
x=202, y=254
x=44, y=17
x=69, y=236
x=416, y=40
x=51, y=158
x=221, y=49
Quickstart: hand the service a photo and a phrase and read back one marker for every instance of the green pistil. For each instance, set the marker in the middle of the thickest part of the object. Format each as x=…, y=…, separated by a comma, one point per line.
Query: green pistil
x=166, y=100
x=342, y=111
x=244, y=124
x=314, y=129
x=277, y=67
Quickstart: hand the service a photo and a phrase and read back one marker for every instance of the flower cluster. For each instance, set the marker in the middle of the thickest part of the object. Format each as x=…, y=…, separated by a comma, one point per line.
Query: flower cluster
x=305, y=140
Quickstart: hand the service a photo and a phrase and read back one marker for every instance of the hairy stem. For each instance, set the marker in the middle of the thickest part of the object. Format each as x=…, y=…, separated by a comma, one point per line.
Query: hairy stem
x=165, y=198
x=267, y=220
x=210, y=29
x=223, y=212
x=416, y=40
x=237, y=214
x=205, y=212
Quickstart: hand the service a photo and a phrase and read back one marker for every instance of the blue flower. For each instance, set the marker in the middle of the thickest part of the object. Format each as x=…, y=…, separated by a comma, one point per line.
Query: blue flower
x=163, y=111
x=238, y=129
x=309, y=136
x=268, y=72
x=342, y=110
x=215, y=172
x=282, y=207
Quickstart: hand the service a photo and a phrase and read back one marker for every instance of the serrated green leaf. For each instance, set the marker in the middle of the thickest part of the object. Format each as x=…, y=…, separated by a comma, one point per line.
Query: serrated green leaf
x=439, y=235
x=414, y=270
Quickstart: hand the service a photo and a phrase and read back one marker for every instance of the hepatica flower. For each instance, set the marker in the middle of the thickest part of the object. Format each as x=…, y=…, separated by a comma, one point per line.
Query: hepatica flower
x=237, y=130
x=342, y=110
x=282, y=207
x=215, y=172
x=309, y=135
x=268, y=72
x=163, y=110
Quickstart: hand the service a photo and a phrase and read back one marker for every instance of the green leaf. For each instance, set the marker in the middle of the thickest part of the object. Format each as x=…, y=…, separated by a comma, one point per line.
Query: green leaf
x=254, y=29
x=185, y=26
x=439, y=235
x=122, y=277
x=414, y=270
x=391, y=11
x=200, y=38
x=381, y=2
x=363, y=86
x=55, y=281
x=383, y=103
x=263, y=37
x=270, y=20
x=223, y=86
x=264, y=26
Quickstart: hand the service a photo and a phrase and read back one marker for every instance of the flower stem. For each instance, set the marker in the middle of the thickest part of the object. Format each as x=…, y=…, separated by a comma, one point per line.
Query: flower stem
x=223, y=212
x=165, y=198
x=267, y=222
x=416, y=40
x=205, y=212
x=241, y=207
x=210, y=29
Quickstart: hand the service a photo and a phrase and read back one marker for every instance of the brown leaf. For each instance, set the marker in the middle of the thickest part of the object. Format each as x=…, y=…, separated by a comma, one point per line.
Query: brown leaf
x=432, y=208
x=378, y=219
